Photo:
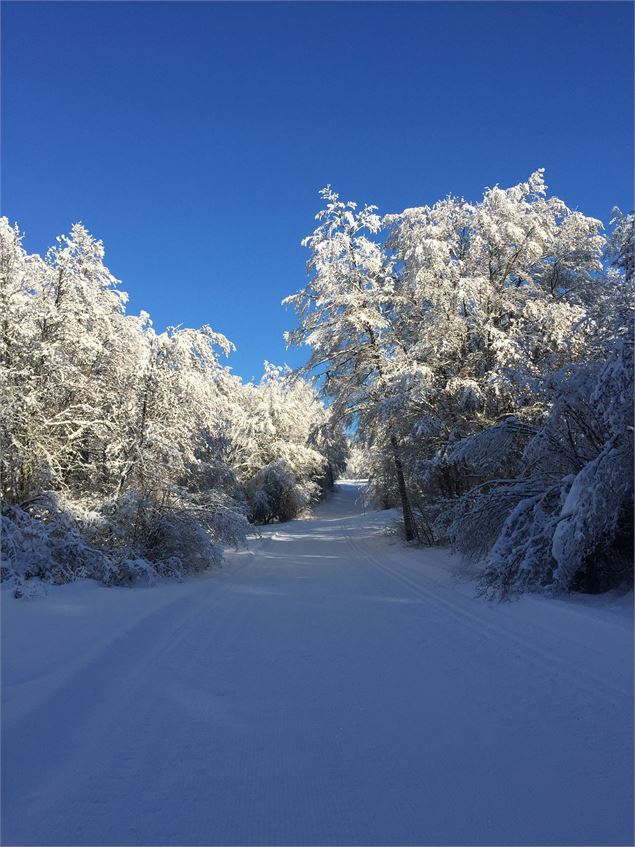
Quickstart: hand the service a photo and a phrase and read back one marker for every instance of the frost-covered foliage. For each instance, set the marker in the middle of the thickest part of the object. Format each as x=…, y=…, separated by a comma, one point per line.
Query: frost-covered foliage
x=567, y=522
x=285, y=451
x=346, y=314
x=359, y=461
x=483, y=352
x=126, y=452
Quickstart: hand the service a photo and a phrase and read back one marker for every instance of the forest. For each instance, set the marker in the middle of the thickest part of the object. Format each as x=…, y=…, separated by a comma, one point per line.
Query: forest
x=473, y=360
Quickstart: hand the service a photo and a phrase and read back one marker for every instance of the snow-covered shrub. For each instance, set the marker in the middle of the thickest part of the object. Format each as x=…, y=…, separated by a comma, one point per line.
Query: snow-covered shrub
x=595, y=513
x=286, y=450
x=119, y=542
x=358, y=465
x=274, y=494
x=44, y=539
x=576, y=530
x=520, y=557
x=172, y=540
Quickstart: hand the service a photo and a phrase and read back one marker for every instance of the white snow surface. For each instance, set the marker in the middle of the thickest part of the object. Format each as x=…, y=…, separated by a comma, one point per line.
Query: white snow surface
x=327, y=686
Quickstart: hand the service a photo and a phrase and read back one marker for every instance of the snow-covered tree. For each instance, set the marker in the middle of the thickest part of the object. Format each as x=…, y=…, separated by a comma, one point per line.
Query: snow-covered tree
x=472, y=337
x=129, y=453
x=282, y=450
x=345, y=314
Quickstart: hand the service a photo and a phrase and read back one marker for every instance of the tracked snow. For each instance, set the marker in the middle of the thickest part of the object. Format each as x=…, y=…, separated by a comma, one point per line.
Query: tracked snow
x=327, y=687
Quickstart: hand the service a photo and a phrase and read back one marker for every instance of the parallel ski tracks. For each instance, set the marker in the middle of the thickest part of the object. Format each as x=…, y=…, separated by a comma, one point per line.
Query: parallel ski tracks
x=522, y=647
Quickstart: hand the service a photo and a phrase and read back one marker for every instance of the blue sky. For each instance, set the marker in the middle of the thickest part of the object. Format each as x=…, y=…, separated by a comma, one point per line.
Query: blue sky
x=193, y=137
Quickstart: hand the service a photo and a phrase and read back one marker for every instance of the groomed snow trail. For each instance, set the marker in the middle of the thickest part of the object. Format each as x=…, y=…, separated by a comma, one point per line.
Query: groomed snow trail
x=328, y=686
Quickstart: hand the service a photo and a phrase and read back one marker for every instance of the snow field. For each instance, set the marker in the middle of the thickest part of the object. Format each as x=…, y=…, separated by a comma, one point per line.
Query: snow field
x=328, y=686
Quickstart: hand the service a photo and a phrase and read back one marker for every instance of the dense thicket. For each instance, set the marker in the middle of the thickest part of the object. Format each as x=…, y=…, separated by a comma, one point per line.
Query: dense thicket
x=127, y=452
x=483, y=353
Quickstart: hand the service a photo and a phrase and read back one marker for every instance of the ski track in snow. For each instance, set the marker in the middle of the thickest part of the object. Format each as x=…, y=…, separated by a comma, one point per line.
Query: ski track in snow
x=328, y=686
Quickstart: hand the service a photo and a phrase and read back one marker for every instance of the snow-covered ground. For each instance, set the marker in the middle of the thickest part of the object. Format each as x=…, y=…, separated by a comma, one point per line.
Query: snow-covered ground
x=328, y=686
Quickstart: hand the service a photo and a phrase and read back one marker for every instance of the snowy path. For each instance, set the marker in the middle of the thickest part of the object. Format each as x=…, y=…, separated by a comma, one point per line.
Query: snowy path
x=328, y=687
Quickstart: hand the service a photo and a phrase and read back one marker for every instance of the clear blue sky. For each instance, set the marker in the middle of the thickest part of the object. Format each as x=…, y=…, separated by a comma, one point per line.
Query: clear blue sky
x=193, y=137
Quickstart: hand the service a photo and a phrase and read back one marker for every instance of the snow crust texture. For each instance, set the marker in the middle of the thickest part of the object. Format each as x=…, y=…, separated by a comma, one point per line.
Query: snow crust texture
x=328, y=686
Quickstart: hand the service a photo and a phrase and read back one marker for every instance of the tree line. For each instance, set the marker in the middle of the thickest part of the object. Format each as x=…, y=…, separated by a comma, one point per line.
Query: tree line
x=474, y=360
x=129, y=453
x=483, y=355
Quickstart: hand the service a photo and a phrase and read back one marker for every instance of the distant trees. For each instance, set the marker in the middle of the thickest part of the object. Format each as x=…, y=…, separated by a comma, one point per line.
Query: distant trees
x=282, y=452
x=127, y=452
x=484, y=353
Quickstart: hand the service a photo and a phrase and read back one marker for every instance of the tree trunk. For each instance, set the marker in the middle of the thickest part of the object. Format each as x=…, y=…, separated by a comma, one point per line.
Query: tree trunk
x=408, y=518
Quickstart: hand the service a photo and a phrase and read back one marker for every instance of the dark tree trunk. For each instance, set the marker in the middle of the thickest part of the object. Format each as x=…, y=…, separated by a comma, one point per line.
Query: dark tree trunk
x=408, y=518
